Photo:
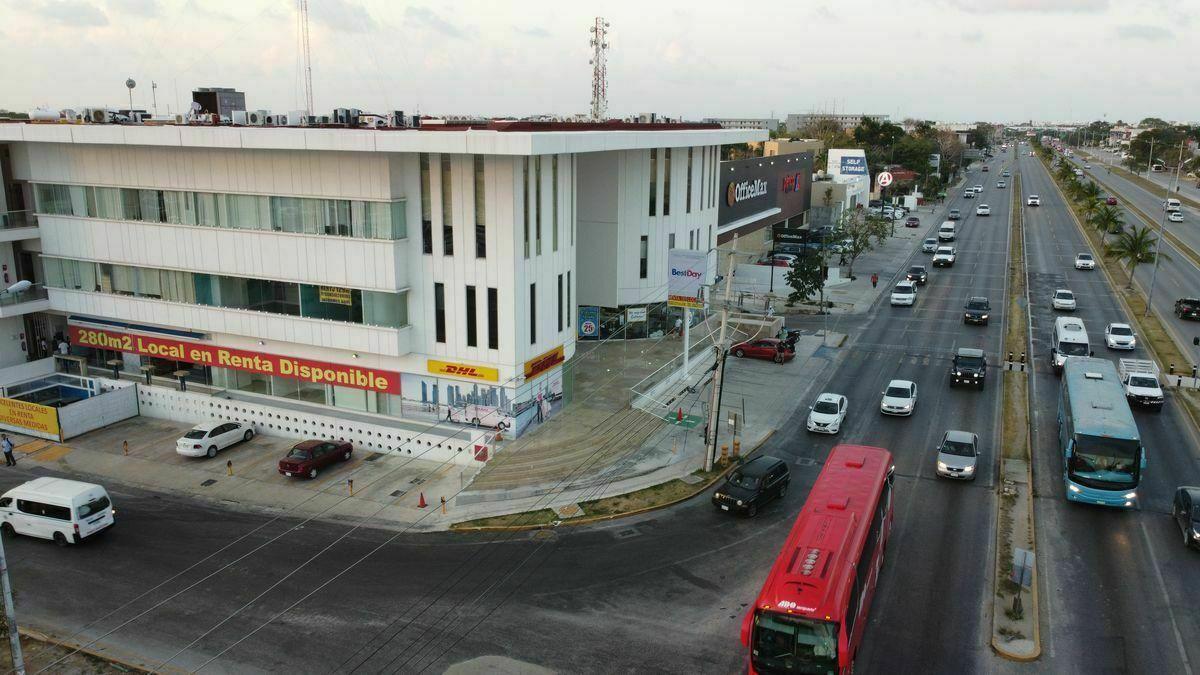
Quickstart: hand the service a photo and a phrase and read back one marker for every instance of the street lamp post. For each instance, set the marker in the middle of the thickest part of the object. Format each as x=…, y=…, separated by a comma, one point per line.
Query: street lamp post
x=1162, y=228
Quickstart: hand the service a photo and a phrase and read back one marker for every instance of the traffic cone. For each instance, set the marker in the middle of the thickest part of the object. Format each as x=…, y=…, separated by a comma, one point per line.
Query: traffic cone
x=421, y=504
x=679, y=415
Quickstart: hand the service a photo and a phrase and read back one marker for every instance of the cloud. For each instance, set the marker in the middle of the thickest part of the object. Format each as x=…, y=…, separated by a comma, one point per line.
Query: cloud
x=532, y=31
x=205, y=10
x=70, y=12
x=343, y=16
x=423, y=16
x=1029, y=6
x=973, y=36
x=1139, y=31
x=146, y=8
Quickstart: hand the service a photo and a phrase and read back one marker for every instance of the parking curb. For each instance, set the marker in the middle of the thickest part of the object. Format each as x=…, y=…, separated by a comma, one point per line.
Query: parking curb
x=40, y=636
x=587, y=520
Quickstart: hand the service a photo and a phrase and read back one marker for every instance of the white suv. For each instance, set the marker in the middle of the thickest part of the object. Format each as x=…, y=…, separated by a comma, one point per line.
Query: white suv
x=1085, y=261
x=1064, y=300
x=905, y=293
x=983, y=210
x=1033, y=200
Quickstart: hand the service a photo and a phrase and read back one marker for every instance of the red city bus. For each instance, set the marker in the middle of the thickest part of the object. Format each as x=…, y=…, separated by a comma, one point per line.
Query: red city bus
x=811, y=612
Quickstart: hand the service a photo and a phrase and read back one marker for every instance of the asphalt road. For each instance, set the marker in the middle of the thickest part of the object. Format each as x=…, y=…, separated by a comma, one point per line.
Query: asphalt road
x=1118, y=591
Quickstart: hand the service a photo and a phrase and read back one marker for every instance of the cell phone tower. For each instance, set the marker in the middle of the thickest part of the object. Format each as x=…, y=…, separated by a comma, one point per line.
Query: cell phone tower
x=599, y=43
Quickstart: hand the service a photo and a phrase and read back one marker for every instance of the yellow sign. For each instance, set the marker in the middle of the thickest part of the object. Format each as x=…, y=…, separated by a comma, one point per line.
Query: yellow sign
x=31, y=416
x=334, y=294
x=540, y=364
x=463, y=370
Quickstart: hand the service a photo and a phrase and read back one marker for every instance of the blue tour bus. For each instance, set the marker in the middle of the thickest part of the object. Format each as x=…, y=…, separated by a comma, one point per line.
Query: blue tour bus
x=1103, y=457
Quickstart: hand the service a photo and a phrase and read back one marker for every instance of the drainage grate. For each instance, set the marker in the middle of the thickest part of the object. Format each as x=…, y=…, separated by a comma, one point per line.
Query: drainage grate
x=806, y=461
x=210, y=481
x=399, y=493
x=417, y=481
x=627, y=533
x=373, y=456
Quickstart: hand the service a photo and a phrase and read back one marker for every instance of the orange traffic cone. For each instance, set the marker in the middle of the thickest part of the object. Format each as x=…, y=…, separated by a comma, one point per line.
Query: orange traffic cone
x=679, y=415
x=421, y=504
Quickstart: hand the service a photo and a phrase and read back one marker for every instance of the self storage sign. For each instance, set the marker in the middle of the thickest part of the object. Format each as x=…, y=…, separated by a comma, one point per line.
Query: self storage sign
x=319, y=372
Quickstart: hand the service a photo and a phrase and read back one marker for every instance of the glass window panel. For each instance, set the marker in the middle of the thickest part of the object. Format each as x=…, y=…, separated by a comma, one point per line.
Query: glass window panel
x=398, y=219
x=131, y=204
x=86, y=276
x=151, y=202
x=341, y=221
x=149, y=282
x=124, y=280
x=208, y=211
x=108, y=203
x=53, y=199
x=53, y=269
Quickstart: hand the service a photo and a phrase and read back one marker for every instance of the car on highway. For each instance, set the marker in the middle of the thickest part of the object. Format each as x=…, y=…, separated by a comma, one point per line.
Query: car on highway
x=209, y=438
x=1001, y=184
x=983, y=210
x=969, y=366
x=1063, y=300
x=912, y=221
x=1085, y=261
x=1006, y=173
x=978, y=188
x=929, y=245
x=1033, y=200
x=307, y=458
x=767, y=349
x=1185, y=509
x=917, y=274
x=958, y=455
x=1120, y=336
x=969, y=193
x=900, y=398
x=905, y=293
x=1175, y=216
x=826, y=415
x=977, y=310
x=1188, y=308
x=1079, y=172
x=1110, y=200
x=750, y=486
x=944, y=257
x=954, y=214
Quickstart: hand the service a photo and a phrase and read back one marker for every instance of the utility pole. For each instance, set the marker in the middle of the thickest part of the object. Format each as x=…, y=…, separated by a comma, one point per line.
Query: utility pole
x=308, y=94
x=1151, y=158
x=1162, y=228
x=599, y=45
x=14, y=638
x=714, y=408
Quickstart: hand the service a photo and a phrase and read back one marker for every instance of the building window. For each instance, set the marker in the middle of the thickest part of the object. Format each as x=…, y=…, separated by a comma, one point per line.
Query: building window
x=671, y=241
x=471, y=342
x=426, y=209
x=532, y=314
x=709, y=243
x=570, y=305
x=480, y=199
x=439, y=312
x=689, y=181
x=644, y=252
x=447, y=208
x=526, y=200
x=653, y=182
x=667, y=182
x=703, y=179
x=716, y=179
x=537, y=205
x=572, y=192
x=493, y=322
x=554, y=193
x=560, y=303
x=691, y=239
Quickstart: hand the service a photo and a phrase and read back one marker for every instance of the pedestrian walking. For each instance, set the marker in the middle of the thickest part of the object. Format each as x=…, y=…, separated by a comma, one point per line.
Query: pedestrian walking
x=7, y=445
x=678, y=327
x=874, y=280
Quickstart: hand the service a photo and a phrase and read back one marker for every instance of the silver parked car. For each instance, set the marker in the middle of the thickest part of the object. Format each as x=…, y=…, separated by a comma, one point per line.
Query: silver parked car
x=958, y=455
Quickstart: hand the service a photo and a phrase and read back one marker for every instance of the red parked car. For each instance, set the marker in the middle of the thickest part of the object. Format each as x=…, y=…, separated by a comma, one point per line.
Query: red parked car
x=770, y=349
x=307, y=458
x=912, y=221
x=1111, y=201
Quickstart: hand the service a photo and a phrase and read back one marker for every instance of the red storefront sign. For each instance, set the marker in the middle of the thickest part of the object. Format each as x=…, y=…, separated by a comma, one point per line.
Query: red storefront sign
x=320, y=372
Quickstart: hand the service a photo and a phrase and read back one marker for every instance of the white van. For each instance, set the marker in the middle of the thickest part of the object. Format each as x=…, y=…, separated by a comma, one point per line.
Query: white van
x=946, y=231
x=64, y=511
x=1171, y=205
x=1070, y=339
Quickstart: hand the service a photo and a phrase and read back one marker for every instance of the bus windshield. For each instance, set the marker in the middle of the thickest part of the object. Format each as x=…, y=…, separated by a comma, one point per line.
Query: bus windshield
x=790, y=644
x=1104, y=463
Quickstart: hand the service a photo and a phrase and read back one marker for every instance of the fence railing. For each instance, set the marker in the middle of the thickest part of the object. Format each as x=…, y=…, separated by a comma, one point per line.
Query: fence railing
x=14, y=219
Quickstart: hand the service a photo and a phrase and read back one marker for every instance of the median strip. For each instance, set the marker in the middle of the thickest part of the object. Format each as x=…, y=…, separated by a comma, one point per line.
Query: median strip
x=1015, y=629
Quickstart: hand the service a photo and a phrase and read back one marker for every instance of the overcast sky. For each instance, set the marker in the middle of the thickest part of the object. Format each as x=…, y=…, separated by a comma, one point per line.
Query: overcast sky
x=952, y=60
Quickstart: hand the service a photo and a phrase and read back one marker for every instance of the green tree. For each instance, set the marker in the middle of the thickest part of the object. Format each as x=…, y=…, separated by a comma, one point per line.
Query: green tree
x=913, y=152
x=1133, y=247
x=1155, y=122
x=1108, y=219
x=981, y=136
x=861, y=232
x=1090, y=192
x=1089, y=208
x=806, y=277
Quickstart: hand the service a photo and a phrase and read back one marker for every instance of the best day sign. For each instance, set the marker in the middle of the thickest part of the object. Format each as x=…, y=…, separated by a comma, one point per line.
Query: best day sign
x=685, y=270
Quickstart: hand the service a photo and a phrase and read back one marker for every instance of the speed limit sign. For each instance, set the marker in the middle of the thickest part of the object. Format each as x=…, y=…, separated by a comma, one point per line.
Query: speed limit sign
x=884, y=179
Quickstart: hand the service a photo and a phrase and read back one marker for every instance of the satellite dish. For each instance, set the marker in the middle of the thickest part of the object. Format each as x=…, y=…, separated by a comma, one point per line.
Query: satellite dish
x=130, y=83
x=20, y=286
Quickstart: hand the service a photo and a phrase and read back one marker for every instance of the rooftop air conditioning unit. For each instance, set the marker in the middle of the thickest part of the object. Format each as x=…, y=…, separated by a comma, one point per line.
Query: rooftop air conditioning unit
x=355, y=113
x=295, y=118
x=397, y=119
x=341, y=116
x=256, y=118
x=80, y=117
x=324, y=119
x=239, y=118
x=277, y=120
x=416, y=122
x=99, y=116
x=180, y=118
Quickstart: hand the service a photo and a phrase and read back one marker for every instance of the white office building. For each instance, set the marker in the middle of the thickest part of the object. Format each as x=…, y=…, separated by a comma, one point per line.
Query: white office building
x=403, y=273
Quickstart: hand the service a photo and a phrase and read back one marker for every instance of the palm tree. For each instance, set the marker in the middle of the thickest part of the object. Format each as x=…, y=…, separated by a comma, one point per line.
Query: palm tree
x=1108, y=219
x=1090, y=207
x=1091, y=192
x=1133, y=248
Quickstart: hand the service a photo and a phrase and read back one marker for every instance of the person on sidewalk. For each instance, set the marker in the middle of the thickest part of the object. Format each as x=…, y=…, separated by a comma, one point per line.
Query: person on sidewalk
x=874, y=280
x=7, y=445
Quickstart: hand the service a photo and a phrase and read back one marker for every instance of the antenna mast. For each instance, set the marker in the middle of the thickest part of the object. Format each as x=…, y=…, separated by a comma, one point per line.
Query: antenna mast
x=599, y=44
x=308, y=96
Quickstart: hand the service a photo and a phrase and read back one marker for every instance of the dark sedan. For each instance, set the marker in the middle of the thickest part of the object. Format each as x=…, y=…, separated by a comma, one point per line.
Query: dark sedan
x=769, y=349
x=1187, y=308
x=307, y=458
x=917, y=274
x=955, y=214
x=912, y=221
x=977, y=311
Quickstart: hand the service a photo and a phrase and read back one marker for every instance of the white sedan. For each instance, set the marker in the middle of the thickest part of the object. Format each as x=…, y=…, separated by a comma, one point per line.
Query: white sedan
x=900, y=398
x=983, y=210
x=1175, y=216
x=905, y=293
x=944, y=257
x=1120, y=336
x=1033, y=200
x=1064, y=300
x=205, y=440
x=827, y=414
x=1085, y=261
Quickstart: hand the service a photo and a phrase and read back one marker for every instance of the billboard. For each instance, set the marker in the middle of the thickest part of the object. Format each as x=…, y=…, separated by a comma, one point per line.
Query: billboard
x=589, y=322
x=29, y=418
x=760, y=184
x=685, y=281
x=854, y=166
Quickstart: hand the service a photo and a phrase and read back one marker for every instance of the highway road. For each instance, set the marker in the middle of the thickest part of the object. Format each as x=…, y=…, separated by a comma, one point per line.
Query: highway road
x=1117, y=588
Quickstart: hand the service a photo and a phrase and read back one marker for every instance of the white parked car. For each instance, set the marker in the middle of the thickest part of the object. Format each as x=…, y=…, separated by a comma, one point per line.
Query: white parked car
x=63, y=511
x=983, y=210
x=900, y=398
x=1033, y=200
x=1175, y=216
x=827, y=414
x=929, y=245
x=1120, y=336
x=206, y=440
x=944, y=257
x=1085, y=261
x=905, y=293
x=1063, y=300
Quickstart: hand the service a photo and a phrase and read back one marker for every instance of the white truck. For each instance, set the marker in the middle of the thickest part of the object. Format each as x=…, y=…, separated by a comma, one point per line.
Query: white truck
x=1139, y=377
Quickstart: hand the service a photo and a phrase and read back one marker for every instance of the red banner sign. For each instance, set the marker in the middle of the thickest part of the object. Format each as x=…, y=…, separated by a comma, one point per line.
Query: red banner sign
x=238, y=359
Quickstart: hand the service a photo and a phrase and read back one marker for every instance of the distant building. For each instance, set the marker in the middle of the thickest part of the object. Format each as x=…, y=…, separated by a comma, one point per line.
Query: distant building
x=220, y=100
x=788, y=146
x=797, y=121
x=764, y=123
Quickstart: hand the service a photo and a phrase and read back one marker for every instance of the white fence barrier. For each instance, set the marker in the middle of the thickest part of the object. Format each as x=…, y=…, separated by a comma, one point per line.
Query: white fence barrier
x=117, y=401
x=27, y=371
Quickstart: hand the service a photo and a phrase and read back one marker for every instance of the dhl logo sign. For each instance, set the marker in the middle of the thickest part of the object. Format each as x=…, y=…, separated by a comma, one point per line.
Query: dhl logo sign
x=463, y=370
